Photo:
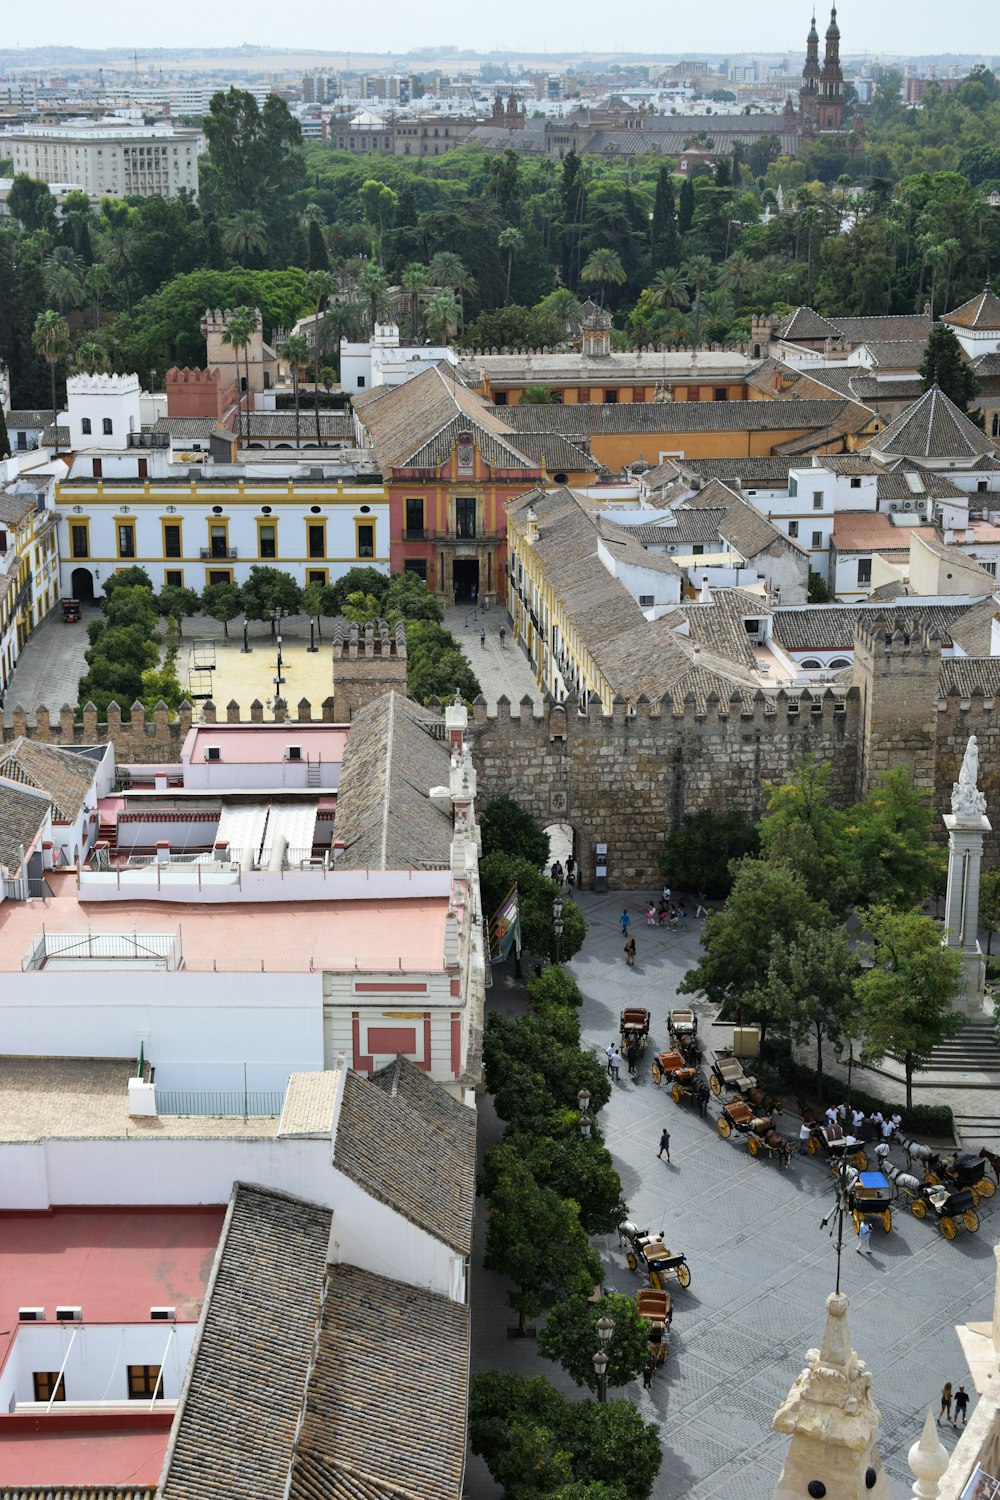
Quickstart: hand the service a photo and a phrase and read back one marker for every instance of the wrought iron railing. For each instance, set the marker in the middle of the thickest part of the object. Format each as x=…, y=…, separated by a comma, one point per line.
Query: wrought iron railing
x=249, y=1103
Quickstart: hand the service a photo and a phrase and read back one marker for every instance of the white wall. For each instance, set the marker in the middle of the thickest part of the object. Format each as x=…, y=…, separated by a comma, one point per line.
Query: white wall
x=189, y=883
x=97, y=1366
x=366, y=1233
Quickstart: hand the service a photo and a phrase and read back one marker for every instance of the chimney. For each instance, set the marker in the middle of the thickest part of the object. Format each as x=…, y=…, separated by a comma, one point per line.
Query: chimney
x=532, y=522
x=705, y=594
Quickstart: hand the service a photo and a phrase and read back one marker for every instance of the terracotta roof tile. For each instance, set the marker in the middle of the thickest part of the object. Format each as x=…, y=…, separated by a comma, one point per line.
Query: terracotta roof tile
x=932, y=428
x=66, y=777
x=980, y=312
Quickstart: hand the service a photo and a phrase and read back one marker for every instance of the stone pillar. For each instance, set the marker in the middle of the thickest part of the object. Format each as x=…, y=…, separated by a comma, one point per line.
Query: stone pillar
x=928, y=1459
x=961, y=911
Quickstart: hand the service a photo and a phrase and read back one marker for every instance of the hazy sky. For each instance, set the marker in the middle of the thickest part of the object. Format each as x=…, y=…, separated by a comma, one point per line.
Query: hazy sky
x=907, y=26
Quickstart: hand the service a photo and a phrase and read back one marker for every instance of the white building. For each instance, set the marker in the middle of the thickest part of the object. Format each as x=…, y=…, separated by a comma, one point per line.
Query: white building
x=103, y=410
x=382, y=360
x=108, y=158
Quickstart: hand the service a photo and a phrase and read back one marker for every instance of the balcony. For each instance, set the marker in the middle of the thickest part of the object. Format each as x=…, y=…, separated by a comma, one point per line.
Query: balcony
x=218, y=554
x=463, y=539
x=415, y=534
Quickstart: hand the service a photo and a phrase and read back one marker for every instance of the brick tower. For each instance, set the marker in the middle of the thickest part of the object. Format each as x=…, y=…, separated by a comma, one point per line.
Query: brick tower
x=898, y=674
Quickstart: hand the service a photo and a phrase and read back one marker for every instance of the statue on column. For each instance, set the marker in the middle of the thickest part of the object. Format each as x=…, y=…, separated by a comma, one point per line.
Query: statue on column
x=967, y=801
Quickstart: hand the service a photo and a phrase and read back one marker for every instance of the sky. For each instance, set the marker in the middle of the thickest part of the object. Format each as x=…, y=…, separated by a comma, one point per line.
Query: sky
x=911, y=27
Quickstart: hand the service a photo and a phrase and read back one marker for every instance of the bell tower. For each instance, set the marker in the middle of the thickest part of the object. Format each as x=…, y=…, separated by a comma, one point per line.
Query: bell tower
x=809, y=91
x=831, y=82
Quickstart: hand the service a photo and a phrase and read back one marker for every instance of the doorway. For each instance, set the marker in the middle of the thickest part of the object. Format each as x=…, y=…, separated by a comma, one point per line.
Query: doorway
x=465, y=575
x=82, y=584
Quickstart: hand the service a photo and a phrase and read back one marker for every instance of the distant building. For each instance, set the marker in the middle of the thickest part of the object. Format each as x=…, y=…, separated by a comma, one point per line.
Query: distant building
x=108, y=158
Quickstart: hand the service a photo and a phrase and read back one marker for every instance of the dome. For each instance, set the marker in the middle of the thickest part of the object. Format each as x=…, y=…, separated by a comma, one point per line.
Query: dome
x=813, y=33
x=833, y=29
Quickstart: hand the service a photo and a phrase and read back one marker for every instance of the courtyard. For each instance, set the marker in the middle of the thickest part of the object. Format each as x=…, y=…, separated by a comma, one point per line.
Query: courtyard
x=761, y=1265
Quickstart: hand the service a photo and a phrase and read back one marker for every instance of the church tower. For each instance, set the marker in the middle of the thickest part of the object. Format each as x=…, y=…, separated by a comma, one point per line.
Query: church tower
x=833, y=1422
x=831, y=83
x=809, y=91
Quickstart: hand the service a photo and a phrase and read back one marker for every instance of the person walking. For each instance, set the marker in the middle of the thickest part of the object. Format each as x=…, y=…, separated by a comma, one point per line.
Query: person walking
x=571, y=870
x=630, y=952
x=651, y=915
x=701, y=910
x=946, y=1399
x=616, y=1062
x=857, y=1120
x=503, y=637
x=609, y=1053
x=666, y=894
x=865, y=1238
x=961, y=1399
x=805, y=1131
x=682, y=915
x=482, y=639
x=664, y=1144
x=625, y=919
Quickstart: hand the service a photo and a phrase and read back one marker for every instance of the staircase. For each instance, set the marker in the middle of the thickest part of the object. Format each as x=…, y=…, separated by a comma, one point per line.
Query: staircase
x=313, y=773
x=975, y=1049
x=108, y=832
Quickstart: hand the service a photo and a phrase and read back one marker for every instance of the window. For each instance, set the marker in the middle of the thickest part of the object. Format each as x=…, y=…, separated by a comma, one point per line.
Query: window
x=361, y=382
x=218, y=540
x=855, y=481
x=85, y=426
x=793, y=486
x=416, y=565
x=220, y=575
x=720, y=393
x=46, y=1383
x=173, y=578
x=316, y=539
x=698, y=549
x=126, y=539
x=364, y=532
x=317, y=575
x=646, y=601
x=817, y=499
x=107, y=427
x=414, y=521
x=793, y=528
x=864, y=570
x=817, y=540
x=811, y=666
x=980, y=485
x=610, y=398
x=172, y=539
x=465, y=518
x=267, y=539
x=143, y=1381
x=560, y=478
x=500, y=399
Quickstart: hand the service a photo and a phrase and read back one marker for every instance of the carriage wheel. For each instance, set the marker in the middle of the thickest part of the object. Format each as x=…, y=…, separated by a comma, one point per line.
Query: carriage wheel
x=683, y=1275
x=856, y=1217
x=632, y=1260
x=675, y=1094
x=753, y=1146
x=985, y=1188
x=948, y=1228
x=859, y=1159
x=715, y=1085
x=970, y=1220
x=887, y=1220
x=724, y=1128
x=975, y=1195
x=661, y=1354
x=918, y=1208
x=813, y=1147
x=656, y=1280
x=931, y=1180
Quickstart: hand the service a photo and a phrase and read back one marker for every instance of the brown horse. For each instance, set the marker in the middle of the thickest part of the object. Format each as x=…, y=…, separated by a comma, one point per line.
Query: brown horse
x=993, y=1160
x=760, y=1099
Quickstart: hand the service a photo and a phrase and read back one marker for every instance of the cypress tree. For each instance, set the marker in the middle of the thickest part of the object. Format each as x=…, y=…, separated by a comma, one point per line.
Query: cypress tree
x=685, y=214
x=945, y=366
x=319, y=260
x=664, y=239
x=4, y=439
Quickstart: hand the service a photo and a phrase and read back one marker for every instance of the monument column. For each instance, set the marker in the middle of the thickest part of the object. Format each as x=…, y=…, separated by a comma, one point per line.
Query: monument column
x=967, y=826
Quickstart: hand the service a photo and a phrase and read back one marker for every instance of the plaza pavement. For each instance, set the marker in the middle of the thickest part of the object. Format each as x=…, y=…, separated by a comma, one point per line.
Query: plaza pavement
x=50, y=666
x=502, y=670
x=761, y=1266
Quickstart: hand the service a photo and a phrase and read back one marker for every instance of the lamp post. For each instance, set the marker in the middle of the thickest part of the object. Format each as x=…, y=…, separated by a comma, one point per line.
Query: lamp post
x=605, y=1332
x=279, y=680
x=838, y=1052
x=583, y=1100
x=557, y=922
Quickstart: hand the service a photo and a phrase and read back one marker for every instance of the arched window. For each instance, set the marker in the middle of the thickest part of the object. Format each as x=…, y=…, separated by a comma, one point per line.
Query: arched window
x=810, y=665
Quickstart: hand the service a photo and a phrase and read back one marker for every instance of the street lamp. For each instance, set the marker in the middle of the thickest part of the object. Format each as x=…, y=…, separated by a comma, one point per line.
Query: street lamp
x=583, y=1101
x=557, y=922
x=605, y=1331
x=838, y=1052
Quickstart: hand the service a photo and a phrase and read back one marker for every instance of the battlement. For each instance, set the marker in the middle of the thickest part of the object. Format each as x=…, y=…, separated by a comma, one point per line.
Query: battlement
x=374, y=641
x=102, y=385
x=216, y=320
x=193, y=376
x=891, y=638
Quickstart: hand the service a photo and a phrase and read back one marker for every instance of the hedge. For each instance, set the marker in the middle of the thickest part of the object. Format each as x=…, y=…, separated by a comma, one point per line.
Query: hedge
x=780, y=1073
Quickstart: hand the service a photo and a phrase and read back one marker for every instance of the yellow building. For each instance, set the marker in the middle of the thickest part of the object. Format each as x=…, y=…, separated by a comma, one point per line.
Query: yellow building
x=29, y=573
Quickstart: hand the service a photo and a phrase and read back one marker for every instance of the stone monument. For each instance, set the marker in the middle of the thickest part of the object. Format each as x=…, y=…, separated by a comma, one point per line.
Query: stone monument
x=833, y=1422
x=967, y=825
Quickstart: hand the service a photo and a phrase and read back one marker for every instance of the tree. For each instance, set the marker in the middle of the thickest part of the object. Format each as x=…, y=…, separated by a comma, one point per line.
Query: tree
x=374, y=288
x=378, y=204
x=509, y=830
x=515, y=328
x=414, y=280
x=357, y=581
x=240, y=330
x=510, y=240
x=944, y=365
x=221, y=601
x=699, y=272
x=441, y=315
x=669, y=289
x=177, y=603
x=685, y=207
x=560, y=1158
x=96, y=282
x=805, y=832
x=295, y=352
x=64, y=270
x=244, y=234
x=405, y=596
x=320, y=287
x=604, y=268
x=500, y=871
x=989, y=904
x=50, y=339
x=536, y=1069
x=553, y=986
x=270, y=594
x=664, y=240
x=570, y=1338
x=4, y=435
x=810, y=988
x=255, y=161
x=698, y=854
x=536, y=1240
x=92, y=358
x=32, y=204
x=905, y=998
x=888, y=838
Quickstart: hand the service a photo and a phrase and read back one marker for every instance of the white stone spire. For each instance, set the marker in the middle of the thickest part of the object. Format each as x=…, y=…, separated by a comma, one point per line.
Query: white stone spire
x=928, y=1458
x=833, y=1423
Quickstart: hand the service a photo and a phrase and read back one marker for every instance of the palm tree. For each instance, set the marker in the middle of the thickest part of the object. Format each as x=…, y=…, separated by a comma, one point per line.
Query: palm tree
x=511, y=240
x=537, y=395
x=738, y=273
x=64, y=271
x=96, y=282
x=699, y=272
x=313, y=214
x=320, y=287
x=295, y=352
x=372, y=284
x=120, y=255
x=441, y=315
x=564, y=305
x=244, y=234
x=448, y=269
x=604, y=267
x=669, y=289
x=50, y=339
x=414, y=280
x=239, y=332
x=92, y=358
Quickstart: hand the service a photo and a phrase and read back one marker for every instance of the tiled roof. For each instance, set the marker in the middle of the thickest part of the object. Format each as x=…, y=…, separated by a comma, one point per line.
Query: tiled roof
x=240, y=1406
x=414, y=425
x=900, y=354
x=593, y=418
x=806, y=323
x=187, y=427
x=388, y=1394
x=79, y=1492
x=894, y=485
x=987, y=366
x=971, y=674
x=63, y=776
x=410, y=1151
x=770, y=472
x=384, y=812
x=887, y=329
x=48, y=437
x=831, y=627
x=28, y=421
x=932, y=428
x=869, y=531
x=494, y=450
x=15, y=508
x=660, y=476
x=671, y=141
x=552, y=452
x=645, y=366
x=623, y=544
x=743, y=526
x=980, y=312
x=310, y=1103
x=21, y=816
x=719, y=625
x=281, y=424
x=691, y=526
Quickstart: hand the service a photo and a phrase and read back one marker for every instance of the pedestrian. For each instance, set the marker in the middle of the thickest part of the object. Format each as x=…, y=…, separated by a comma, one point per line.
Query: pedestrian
x=673, y=917
x=632, y=1054
x=651, y=915
x=570, y=869
x=945, y=1402
x=610, y=1052
x=666, y=895
x=961, y=1401
x=661, y=912
x=857, y=1120
x=865, y=1238
x=503, y=637
x=616, y=1062
x=625, y=919
x=682, y=915
x=877, y=1118
x=897, y=1121
x=888, y=1130
x=630, y=952
x=482, y=639
x=664, y=1144
x=701, y=910
x=647, y=1376
x=842, y=1113
x=831, y=1115
x=882, y=1153
x=805, y=1131
x=557, y=873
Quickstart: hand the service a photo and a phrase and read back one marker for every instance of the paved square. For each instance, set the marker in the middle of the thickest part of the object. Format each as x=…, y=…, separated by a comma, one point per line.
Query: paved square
x=761, y=1265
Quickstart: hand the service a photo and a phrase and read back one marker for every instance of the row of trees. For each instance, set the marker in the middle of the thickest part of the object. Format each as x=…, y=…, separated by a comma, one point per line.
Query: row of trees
x=822, y=936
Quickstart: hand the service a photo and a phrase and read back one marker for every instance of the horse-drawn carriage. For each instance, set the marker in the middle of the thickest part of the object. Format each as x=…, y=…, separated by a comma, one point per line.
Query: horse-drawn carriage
x=936, y=1200
x=759, y=1130
x=728, y=1075
x=648, y=1253
x=829, y=1138
x=689, y=1083
x=961, y=1172
x=653, y=1306
x=665, y=1065
x=634, y=1026
x=683, y=1028
x=869, y=1196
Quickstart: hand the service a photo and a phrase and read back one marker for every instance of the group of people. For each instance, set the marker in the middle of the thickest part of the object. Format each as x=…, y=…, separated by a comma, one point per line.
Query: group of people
x=567, y=876
x=632, y=1054
x=959, y=1398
